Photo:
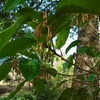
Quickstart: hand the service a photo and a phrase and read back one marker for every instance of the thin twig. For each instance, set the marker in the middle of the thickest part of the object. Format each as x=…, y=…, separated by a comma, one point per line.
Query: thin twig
x=65, y=59
x=68, y=75
x=51, y=4
x=92, y=69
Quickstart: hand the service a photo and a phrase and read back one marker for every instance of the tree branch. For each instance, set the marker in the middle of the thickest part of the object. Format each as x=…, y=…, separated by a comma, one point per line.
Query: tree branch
x=65, y=59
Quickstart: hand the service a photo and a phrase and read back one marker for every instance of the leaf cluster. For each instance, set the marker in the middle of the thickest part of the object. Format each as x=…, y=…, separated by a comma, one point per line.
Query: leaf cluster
x=29, y=53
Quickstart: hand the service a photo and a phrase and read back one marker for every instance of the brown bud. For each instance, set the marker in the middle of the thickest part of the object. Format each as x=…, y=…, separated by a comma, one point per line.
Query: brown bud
x=49, y=36
x=38, y=31
x=77, y=22
x=41, y=49
x=44, y=14
x=83, y=18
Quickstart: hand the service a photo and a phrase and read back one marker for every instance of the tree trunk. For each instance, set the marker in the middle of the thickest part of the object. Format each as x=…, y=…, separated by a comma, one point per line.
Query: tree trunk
x=89, y=37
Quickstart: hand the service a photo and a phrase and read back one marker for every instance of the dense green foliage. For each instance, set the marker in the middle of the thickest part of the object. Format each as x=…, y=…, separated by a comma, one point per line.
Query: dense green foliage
x=29, y=55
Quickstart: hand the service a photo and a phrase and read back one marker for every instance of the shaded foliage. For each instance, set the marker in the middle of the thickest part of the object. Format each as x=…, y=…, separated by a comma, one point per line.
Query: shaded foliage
x=31, y=52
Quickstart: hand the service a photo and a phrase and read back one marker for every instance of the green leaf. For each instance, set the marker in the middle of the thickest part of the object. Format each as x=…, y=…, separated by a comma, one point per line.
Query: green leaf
x=91, y=77
x=29, y=68
x=58, y=22
x=29, y=54
x=55, y=88
x=7, y=24
x=52, y=71
x=83, y=94
x=10, y=4
x=66, y=94
x=32, y=24
x=90, y=52
x=83, y=6
x=97, y=64
x=32, y=13
x=96, y=91
x=17, y=90
x=97, y=55
x=62, y=37
x=4, y=70
x=82, y=49
x=74, y=94
x=39, y=85
x=68, y=65
x=16, y=46
x=81, y=77
x=73, y=44
x=6, y=34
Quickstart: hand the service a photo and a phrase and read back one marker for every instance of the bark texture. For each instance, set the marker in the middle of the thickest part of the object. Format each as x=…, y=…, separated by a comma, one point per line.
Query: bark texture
x=89, y=37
